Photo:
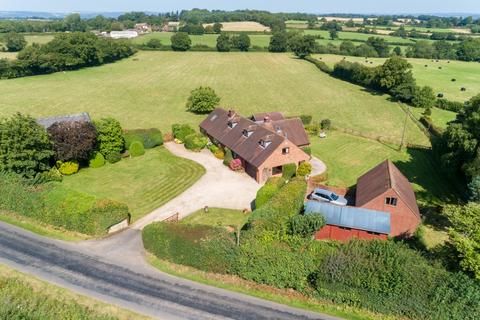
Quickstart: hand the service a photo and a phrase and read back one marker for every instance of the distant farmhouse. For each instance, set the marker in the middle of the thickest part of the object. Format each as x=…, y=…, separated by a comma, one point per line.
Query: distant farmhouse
x=264, y=142
x=142, y=28
x=385, y=205
x=171, y=26
x=48, y=122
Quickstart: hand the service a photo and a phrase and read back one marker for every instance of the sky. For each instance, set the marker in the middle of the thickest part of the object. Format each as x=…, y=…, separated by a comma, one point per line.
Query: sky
x=310, y=6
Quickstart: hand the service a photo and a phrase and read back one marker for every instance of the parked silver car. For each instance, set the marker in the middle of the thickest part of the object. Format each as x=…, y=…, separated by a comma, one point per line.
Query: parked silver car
x=328, y=196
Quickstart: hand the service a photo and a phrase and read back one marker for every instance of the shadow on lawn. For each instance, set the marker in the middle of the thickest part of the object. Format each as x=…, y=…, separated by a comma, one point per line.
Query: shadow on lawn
x=436, y=187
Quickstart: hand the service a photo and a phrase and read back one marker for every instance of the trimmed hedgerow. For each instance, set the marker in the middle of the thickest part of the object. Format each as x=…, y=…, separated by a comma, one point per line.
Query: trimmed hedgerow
x=204, y=247
x=97, y=160
x=306, y=225
x=55, y=205
x=289, y=170
x=181, y=131
x=136, y=149
x=275, y=214
x=150, y=138
x=268, y=190
x=113, y=157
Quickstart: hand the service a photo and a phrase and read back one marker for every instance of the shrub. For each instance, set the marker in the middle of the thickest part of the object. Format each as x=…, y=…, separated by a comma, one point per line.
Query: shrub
x=24, y=146
x=306, y=119
x=181, y=131
x=202, y=100
x=312, y=129
x=72, y=140
x=445, y=104
x=180, y=41
x=204, y=247
x=305, y=168
x=68, y=167
x=306, y=225
x=219, y=154
x=195, y=142
x=136, y=149
x=113, y=157
x=268, y=190
x=150, y=138
x=14, y=42
x=325, y=124
x=52, y=175
x=289, y=170
x=307, y=150
x=97, y=160
x=228, y=157
x=223, y=43
x=235, y=165
x=154, y=44
x=109, y=136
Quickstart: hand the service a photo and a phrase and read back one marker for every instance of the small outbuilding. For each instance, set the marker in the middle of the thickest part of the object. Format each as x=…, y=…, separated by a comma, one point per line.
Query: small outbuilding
x=344, y=223
x=385, y=188
x=48, y=122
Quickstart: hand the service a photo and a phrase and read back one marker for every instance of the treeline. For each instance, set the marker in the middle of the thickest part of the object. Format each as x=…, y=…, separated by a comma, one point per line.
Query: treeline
x=466, y=50
x=67, y=51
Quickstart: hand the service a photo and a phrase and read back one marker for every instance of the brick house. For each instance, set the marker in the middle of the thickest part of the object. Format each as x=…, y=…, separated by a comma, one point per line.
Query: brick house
x=385, y=188
x=344, y=222
x=264, y=143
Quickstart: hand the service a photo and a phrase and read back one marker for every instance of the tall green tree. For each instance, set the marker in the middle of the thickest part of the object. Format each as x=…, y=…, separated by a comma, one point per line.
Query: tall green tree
x=394, y=72
x=14, y=42
x=423, y=97
x=181, y=41
x=109, y=136
x=217, y=27
x=202, y=100
x=241, y=42
x=333, y=34
x=24, y=146
x=223, y=43
x=278, y=42
x=303, y=46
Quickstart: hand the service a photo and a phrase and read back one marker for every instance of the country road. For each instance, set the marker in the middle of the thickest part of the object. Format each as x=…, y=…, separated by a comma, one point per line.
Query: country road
x=135, y=286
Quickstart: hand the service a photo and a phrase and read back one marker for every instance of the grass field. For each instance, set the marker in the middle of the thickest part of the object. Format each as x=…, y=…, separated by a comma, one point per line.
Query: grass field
x=467, y=74
x=8, y=55
x=439, y=117
x=348, y=157
x=261, y=40
x=25, y=297
x=151, y=89
x=217, y=217
x=144, y=183
x=357, y=36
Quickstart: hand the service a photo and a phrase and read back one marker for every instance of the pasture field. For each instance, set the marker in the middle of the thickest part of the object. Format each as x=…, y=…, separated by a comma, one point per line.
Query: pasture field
x=439, y=117
x=39, y=38
x=466, y=74
x=348, y=157
x=151, y=88
x=358, y=36
x=25, y=297
x=218, y=217
x=297, y=24
x=242, y=26
x=261, y=40
x=143, y=183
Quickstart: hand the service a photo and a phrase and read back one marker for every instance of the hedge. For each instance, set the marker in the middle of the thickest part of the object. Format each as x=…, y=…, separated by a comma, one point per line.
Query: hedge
x=319, y=64
x=268, y=190
x=136, y=149
x=195, y=142
x=150, y=138
x=275, y=214
x=203, y=247
x=68, y=167
x=305, y=168
x=445, y=104
x=181, y=131
x=289, y=170
x=97, y=160
x=58, y=206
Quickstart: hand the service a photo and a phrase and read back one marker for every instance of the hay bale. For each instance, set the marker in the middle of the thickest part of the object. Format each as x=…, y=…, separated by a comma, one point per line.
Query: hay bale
x=439, y=67
x=426, y=65
x=440, y=95
x=463, y=89
x=453, y=80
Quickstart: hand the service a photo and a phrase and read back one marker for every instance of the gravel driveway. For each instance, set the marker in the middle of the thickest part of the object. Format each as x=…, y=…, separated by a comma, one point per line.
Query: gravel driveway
x=218, y=187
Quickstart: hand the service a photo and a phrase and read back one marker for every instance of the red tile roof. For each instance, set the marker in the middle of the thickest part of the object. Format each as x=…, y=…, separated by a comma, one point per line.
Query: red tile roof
x=381, y=178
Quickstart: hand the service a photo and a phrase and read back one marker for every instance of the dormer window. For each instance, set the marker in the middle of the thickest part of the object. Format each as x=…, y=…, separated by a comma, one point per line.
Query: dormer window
x=247, y=133
x=264, y=143
x=232, y=124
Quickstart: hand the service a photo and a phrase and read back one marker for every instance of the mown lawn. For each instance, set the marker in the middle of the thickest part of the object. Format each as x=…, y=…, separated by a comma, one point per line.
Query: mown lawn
x=348, y=157
x=439, y=117
x=143, y=183
x=466, y=74
x=151, y=89
x=25, y=297
x=217, y=217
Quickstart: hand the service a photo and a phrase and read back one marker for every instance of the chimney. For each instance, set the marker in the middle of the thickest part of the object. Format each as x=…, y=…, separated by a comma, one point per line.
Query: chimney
x=231, y=113
x=266, y=119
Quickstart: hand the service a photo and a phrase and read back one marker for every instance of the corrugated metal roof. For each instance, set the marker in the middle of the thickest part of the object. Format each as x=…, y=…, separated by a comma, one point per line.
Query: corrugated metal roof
x=47, y=122
x=381, y=178
x=351, y=217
